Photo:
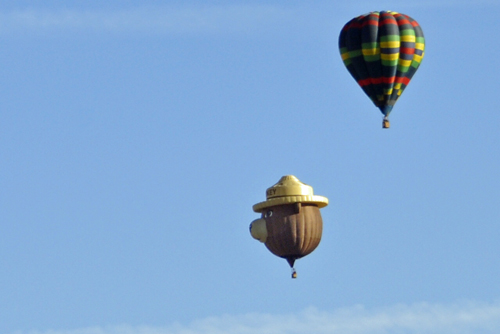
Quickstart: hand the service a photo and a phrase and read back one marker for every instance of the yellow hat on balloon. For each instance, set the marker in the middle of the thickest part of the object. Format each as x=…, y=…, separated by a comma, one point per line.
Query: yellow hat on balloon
x=290, y=190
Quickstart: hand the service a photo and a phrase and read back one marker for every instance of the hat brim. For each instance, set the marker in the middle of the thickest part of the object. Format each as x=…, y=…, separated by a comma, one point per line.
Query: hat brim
x=320, y=201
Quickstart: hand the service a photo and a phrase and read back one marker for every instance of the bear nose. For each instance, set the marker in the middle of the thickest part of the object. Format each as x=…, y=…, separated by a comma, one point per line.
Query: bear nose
x=258, y=229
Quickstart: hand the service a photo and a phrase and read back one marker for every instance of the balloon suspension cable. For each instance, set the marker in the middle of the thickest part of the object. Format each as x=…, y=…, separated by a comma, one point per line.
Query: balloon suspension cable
x=385, y=123
x=294, y=273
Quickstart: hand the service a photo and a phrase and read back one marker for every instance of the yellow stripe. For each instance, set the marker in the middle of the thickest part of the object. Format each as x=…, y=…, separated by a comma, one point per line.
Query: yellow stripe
x=404, y=63
x=397, y=86
x=419, y=46
x=390, y=56
x=408, y=38
x=371, y=52
x=345, y=55
x=418, y=58
x=390, y=44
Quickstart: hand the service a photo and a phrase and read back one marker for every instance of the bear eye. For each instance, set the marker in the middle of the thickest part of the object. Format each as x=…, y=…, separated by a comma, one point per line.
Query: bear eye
x=268, y=214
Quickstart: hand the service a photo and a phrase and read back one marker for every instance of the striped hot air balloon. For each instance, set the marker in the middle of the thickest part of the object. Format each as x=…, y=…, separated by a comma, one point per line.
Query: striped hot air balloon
x=382, y=51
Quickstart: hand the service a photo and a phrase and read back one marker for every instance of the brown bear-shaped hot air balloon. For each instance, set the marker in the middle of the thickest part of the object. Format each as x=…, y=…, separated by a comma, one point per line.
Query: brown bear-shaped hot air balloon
x=291, y=224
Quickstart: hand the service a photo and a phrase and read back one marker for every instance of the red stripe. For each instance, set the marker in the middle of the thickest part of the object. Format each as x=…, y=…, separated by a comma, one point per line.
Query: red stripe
x=389, y=80
x=403, y=80
x=354, y=24
x=389, y=21
x=351, y=24
x=407, y=51
x=403, y=21
x=370, y=22
x=364, y=82
x=380, y=80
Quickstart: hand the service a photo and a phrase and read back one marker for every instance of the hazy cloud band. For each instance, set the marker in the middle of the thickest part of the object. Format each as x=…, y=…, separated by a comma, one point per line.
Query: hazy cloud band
x=418, y=318
x=159, y=20
x=226, y=19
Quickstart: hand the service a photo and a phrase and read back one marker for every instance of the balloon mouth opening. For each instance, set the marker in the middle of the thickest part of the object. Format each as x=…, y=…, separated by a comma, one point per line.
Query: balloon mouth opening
x=291, y=259
x=291, y=262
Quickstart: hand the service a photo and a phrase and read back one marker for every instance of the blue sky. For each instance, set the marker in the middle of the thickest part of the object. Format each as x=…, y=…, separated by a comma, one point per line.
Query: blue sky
x=136, y=135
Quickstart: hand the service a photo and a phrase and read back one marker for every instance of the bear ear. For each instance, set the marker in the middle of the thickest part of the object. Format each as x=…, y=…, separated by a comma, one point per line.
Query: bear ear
x=297, y=207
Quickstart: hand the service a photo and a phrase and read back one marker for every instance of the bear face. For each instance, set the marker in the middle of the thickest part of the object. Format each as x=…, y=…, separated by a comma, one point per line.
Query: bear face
x=293, y=230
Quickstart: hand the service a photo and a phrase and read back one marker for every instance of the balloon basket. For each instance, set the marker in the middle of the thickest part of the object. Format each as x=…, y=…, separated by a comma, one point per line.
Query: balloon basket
x=294, y=273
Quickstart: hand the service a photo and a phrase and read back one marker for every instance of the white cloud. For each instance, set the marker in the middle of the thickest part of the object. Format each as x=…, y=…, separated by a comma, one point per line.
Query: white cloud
x=462, y=318
x=158, y=20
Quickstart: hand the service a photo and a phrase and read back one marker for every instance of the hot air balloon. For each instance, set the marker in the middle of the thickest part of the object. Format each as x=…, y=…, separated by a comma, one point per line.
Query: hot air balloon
x=382, y=51
x=291, y=224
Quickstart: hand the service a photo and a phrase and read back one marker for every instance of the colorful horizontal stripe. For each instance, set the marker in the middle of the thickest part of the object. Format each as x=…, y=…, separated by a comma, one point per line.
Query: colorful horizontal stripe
x=382, y=51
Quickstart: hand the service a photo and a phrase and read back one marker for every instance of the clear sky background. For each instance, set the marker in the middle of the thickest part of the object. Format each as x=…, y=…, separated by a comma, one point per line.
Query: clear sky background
x=135, y=136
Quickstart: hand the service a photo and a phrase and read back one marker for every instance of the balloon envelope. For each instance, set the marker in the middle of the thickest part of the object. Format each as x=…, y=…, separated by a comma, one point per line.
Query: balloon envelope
x=293, y=233
x=382, y=51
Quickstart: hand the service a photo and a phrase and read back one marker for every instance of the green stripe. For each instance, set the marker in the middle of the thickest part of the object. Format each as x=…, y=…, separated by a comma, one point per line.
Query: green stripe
x=355, y=53
x=372, y=58
x=389, y=38
x=372, y=45
x=390, y=62
x=403, y=69
x=415, y=64
x=407, y=32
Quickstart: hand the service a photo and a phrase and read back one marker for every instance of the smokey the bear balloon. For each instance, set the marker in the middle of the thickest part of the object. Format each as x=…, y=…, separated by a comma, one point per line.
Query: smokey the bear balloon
x=291, y=223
